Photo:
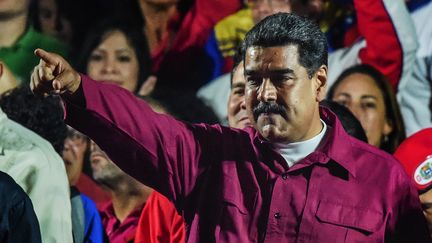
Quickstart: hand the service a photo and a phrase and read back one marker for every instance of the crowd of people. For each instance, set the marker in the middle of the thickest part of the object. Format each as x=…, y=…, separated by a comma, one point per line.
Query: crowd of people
x=215, y=121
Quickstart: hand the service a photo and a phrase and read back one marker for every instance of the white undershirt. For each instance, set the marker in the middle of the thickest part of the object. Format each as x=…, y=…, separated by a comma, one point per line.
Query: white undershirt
x=294, y=152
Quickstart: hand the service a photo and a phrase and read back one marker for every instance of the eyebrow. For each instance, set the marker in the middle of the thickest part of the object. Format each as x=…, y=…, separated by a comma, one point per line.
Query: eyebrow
x=272, y=72
x=238, y=85
x=119, y=50
x=123, y=50
x=344, y=94
x=362, y=97
x=369, y=97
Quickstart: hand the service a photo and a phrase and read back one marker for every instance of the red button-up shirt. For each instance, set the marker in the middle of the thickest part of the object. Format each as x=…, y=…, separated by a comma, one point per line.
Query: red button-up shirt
x=233, y=187
x=160, y=222
x=120, y=232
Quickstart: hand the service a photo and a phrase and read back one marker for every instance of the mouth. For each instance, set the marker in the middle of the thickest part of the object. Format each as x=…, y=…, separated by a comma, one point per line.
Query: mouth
x=115, y=82
x=245, y=121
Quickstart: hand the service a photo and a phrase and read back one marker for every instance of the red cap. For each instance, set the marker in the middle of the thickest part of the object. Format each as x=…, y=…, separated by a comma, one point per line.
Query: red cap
x=415, y=154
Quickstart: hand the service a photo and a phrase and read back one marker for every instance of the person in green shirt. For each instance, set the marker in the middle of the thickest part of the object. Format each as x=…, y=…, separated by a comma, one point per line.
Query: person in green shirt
x=18, y=39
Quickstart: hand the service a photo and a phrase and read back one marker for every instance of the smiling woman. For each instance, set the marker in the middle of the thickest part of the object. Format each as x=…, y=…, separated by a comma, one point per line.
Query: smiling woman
x=116, y=52
x=365, y=91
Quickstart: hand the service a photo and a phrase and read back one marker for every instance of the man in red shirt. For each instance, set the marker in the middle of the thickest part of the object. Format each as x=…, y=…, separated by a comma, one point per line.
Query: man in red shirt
x=120, y=215
x=295, y=176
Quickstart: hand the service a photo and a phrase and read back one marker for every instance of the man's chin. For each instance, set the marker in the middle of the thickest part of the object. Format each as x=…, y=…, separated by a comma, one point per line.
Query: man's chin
x=270, y=132
x=244, y=124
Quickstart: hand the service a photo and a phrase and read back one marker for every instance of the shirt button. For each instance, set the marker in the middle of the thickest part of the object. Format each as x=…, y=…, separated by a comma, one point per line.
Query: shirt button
x=277, y=215
x=285, y=177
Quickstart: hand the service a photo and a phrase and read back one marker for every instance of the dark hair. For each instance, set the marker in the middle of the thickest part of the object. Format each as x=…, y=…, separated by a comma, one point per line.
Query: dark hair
x=238, y=58
x=349, y=122
x=133, y=33
x=393, y=114
x=290, y=29
x=43, y=116
x=191, y=109
x=73, y=11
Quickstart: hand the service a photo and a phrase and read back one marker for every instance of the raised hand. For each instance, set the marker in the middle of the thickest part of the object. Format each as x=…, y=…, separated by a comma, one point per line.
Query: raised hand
x=53, y=74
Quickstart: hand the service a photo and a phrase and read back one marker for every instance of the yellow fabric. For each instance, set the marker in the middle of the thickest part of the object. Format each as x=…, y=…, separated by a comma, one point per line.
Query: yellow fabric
x=231, y=30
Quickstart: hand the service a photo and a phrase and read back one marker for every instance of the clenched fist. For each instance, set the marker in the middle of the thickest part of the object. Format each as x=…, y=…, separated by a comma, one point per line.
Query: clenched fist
x=53, y=74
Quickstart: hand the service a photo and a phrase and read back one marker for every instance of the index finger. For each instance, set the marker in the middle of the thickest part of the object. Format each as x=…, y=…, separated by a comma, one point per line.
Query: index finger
x=47, y=57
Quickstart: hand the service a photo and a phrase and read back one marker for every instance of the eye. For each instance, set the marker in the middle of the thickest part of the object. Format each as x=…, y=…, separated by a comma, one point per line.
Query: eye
x=95, y=57
x=124, y=58
x=238, y=91
x=253, y=81
x=343, y=102
x=369, y=105
x=426, y=206
x=281, y=79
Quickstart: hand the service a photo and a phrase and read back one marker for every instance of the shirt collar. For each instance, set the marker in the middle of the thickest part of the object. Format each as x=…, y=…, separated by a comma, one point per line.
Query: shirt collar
x=294, y=152
x=335, y=146
x=108, y=211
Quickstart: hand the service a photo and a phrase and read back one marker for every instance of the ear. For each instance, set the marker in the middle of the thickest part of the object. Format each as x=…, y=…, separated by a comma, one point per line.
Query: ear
x=388, y=127
x=1, y=69
x=320, y=80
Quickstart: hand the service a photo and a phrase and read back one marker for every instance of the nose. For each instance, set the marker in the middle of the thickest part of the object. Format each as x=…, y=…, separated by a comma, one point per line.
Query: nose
x=267, y=91
x=109, y=66
x=243, y=103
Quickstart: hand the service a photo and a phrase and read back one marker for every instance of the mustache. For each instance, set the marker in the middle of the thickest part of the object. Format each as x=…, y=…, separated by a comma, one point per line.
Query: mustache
x=267, y=107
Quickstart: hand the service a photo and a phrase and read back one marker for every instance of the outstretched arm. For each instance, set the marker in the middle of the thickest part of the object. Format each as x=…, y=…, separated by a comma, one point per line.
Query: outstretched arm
x=156, y=149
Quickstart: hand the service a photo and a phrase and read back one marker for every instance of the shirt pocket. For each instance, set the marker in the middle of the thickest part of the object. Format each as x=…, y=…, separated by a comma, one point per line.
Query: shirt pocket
x=237, y=212
x=346, y=223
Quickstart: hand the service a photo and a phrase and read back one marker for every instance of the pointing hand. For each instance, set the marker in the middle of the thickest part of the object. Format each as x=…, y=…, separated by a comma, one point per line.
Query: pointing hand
x=53, y=74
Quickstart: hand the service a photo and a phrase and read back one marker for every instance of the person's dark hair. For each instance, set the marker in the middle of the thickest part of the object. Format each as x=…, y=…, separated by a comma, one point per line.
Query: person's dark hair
x=290, y=29
x=135, y=37
x=393, y=114
x=191, y=109
x=349, y=122
x=43, y=116
x=238, y=58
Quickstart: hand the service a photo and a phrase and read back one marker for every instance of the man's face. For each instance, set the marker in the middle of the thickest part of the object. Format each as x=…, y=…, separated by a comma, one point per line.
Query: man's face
x=12, y=8
x=264, y=8
x=104, y=170
x=237, y=115
x=74, y=151
x=281, y=100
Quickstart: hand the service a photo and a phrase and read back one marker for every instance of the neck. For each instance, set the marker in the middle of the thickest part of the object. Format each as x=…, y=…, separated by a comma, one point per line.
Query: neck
x=127, y=196
x=12, y=29
x=156, y=17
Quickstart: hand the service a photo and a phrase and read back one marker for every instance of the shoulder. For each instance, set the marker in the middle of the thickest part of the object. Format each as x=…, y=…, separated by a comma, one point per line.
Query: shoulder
x=29, y=158
x=372, y=161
